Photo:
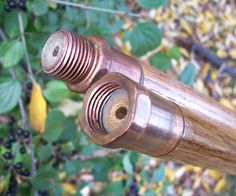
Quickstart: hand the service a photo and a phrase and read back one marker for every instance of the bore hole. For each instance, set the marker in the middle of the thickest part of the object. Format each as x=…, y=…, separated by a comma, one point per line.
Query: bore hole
x=121, y=112
x=55, y=51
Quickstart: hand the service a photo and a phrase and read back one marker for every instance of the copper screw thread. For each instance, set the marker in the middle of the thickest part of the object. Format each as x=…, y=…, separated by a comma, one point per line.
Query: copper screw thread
x=96, y=105
x=77, y=60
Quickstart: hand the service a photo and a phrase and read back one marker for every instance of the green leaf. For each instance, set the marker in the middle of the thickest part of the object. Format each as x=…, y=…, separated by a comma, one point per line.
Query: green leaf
x=4, y=47
x=150, y=4
x=161, y=61
x=46, y=171
x=11, y=26
x=72, y=167
x=14, y=54
x=10, y=91
x=44, y=152
x=174, y=52
x=43, y=177
x=55, y=91
x=54, y=126
x=93, y=31
x=1, y=165
x=71, y=133
x=39, y=7
x=127, y=165
x=145, y=37
x=159, y=173
x=187, y=76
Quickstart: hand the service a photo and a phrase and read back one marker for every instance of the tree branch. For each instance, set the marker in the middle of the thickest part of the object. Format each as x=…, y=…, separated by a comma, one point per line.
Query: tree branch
x=87, y=7
x=217, y=62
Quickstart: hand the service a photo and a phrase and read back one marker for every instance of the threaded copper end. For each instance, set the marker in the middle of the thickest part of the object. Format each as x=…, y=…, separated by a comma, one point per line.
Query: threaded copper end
x=68, y=56
x=96, y=106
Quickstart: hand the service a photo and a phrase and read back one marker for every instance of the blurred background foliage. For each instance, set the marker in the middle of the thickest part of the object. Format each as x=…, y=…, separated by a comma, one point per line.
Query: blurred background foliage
x=42, y=149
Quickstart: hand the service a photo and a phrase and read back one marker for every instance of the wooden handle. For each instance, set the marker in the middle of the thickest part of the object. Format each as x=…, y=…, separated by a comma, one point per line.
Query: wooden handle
x=209, y=136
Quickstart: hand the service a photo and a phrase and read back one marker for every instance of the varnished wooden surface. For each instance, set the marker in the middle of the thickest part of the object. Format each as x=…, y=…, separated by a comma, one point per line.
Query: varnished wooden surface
x=209, y=138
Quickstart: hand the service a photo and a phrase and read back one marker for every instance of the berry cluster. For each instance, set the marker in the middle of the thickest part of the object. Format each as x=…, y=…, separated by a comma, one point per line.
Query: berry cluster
x=15, y=4
x=18, y=138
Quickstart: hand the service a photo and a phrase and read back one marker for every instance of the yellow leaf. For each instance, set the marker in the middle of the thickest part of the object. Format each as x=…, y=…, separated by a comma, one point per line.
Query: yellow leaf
x=220, y=185
x=226, y=103
x=142, y=190
x=234, y=102
x=186, y=26
x=37, y=109
x=206, y=186
x=214, y=174
x=232, y=54
x=120, y=178
x=214, y=75
x=1, y=186
x=221, y=53
x=62, y=175
x=69, y=188
x=169, y=173
x=52, y=5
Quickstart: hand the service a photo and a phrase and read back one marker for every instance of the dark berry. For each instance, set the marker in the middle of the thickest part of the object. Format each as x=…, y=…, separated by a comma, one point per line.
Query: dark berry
x=29, y=85
x=43, y=193
x=11, y=120
x=26, y=134
x=22, y=150
x=7, y=8
x=12, y=3
x=25, y=172
x=13, y=185
x=1, y=140
x=19, y=165
x=27, y=98
x=8, y=155
x=11, y=136
x=6, y=167
x=19, y=132
x=7, y=144
x=22, y=6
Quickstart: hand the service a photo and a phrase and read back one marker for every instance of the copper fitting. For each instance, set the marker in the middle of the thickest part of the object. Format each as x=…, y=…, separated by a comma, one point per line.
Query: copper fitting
x=80, y=61
x=118, y=113
x=140, y=108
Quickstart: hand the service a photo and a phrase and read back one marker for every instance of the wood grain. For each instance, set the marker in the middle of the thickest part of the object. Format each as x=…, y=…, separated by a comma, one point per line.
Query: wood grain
x=209, y=138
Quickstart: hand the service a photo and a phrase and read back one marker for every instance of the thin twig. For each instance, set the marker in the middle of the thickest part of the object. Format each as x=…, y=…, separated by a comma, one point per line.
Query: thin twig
x=30, y=72
x=87, y=7
x=21, y=26
x=21, y=104
x=23, y=113
x=2, y=35
x=217, y=62
x=24, y=125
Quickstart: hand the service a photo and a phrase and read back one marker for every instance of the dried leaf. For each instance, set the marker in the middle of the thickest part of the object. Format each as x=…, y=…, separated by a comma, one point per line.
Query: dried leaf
x=1, y=186
x=226, y=103
x=214, y=174
x=186, y=26
x=69, y=188
x=37, y=109
x=220, y=185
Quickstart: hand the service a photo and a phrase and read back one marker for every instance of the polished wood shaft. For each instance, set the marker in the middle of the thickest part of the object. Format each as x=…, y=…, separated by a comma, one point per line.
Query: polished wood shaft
x=209, y=136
